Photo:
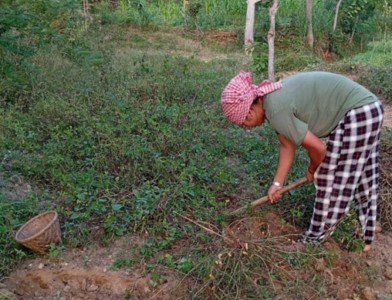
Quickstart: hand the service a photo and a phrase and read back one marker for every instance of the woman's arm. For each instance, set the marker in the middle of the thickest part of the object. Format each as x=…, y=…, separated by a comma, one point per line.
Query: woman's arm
x=286, y=158
x=316, y=151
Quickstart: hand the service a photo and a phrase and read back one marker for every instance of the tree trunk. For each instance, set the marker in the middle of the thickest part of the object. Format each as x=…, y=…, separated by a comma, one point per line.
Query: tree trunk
x=335, y=22
x=250, y=20
x=309, y=22
x=352, y=34
x=271, y=40
x=249, y=25
x=86, y=13
x=185, y=6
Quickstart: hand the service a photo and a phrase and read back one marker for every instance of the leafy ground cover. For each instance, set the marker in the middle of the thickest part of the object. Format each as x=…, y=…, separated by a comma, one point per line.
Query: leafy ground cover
x=123, y=135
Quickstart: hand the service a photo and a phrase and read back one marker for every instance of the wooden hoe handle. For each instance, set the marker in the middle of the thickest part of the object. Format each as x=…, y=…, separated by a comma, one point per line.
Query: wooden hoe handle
x=265, y=199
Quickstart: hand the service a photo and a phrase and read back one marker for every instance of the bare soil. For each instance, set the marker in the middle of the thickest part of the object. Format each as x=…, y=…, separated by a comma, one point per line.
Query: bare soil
x=88, y=273
x=387, y=115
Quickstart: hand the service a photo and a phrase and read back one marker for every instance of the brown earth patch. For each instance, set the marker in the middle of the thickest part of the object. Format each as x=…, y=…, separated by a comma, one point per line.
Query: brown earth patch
x=89, y=274
x=72, y=282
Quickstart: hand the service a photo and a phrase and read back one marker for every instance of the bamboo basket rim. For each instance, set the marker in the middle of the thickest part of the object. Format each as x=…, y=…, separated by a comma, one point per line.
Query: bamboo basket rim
x=54, y=219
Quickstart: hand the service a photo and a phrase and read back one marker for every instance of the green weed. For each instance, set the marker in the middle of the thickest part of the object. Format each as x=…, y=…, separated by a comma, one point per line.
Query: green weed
x=14, y=213
x=55, y=250
x=345, y=233
x=127, y=294
x=5, y=297
x=123, y=263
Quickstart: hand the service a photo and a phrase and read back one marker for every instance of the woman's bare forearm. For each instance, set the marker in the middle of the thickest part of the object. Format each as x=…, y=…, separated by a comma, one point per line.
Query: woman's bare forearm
x=316, y=150
x=286, y=158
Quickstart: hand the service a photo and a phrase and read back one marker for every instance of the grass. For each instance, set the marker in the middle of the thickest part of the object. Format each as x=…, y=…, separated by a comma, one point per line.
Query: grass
x=122, y=129
x=123, y=135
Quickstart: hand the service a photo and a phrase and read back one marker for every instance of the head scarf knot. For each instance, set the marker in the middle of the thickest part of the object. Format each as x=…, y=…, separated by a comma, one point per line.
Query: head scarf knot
x=239, y=94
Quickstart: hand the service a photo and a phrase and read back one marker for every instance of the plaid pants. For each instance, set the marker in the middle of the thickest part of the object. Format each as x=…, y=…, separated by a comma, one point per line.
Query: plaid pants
x=349, y=171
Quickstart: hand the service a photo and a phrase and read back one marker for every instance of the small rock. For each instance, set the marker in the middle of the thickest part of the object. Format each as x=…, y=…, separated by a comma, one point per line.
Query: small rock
x=67, y=288
x=73, y=283
x=368, y=293
x=92, y=288
x=388, y=273
x=41, y=266
x=355, y=297
x=320, y=265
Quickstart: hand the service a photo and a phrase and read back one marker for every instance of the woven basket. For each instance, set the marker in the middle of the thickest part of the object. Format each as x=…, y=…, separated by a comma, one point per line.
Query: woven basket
x=39, y=232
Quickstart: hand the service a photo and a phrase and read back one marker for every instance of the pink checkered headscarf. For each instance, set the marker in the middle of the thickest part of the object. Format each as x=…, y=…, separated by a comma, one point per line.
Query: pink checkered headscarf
x=239, y=94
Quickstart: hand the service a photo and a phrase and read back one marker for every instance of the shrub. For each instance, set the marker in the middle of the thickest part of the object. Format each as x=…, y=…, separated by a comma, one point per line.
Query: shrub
x=378, y=79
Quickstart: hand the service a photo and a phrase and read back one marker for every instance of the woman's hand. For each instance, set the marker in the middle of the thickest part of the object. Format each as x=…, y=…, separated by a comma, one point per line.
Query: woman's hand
x=274, y=193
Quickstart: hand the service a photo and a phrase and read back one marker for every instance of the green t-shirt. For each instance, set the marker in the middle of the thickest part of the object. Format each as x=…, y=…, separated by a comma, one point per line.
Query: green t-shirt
x=314, y=101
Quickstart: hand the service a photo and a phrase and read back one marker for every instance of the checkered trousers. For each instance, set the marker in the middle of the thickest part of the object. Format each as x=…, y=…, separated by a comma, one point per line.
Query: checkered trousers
x=350, y=171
